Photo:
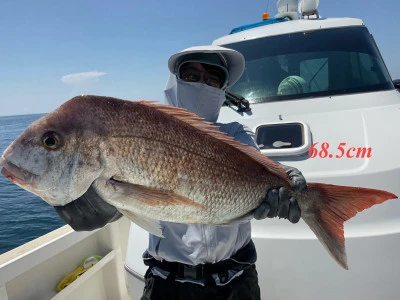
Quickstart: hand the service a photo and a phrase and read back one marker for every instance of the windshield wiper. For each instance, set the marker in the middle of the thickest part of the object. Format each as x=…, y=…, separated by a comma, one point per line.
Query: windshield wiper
x=239, y=101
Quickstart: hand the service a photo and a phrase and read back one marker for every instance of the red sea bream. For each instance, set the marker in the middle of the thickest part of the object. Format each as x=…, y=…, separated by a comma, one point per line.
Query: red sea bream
x=156, y=162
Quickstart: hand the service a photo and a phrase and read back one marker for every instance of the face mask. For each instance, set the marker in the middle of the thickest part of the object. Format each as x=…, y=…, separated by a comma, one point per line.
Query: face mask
x=199, y=98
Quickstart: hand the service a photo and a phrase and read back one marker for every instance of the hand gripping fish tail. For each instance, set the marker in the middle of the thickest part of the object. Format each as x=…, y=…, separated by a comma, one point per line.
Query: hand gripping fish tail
x=332, y=205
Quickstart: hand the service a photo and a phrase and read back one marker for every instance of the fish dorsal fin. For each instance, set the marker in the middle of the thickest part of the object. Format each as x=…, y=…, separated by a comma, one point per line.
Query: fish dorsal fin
x=213, y=130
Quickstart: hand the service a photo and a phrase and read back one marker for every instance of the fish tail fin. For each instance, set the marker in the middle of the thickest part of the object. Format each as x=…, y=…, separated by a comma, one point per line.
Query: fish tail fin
x=333, y=206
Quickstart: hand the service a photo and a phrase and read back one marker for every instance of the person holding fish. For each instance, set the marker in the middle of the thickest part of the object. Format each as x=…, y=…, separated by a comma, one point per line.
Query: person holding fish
x=192, y=183
x=199, y=261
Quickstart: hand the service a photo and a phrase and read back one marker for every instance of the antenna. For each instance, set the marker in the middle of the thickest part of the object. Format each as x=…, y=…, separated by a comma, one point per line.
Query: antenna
x=308, y=8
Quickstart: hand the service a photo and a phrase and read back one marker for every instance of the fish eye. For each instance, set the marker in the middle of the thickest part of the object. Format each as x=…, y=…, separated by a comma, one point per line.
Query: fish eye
x=51, y=140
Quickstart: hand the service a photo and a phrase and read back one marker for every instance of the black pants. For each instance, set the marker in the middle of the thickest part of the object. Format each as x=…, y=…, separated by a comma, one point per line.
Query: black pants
x=244, y=287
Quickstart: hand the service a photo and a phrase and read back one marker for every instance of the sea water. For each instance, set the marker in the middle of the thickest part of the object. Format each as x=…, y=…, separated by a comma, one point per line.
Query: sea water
x=23, y=216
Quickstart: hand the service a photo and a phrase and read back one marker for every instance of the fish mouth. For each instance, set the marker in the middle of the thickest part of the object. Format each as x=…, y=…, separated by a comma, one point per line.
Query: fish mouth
x=15, y=174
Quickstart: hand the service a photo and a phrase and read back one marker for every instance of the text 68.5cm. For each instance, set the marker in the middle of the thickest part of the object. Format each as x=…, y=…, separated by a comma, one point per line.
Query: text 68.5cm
x=341, y=151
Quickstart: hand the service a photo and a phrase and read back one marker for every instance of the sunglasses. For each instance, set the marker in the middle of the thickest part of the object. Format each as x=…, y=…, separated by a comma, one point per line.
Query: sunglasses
x=212, y=76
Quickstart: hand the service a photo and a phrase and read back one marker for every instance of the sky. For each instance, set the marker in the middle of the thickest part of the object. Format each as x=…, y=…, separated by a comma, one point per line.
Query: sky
x=51, y=51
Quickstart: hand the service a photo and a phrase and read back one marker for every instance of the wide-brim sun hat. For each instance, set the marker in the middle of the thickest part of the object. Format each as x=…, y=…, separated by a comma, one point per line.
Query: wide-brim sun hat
x=231, y=61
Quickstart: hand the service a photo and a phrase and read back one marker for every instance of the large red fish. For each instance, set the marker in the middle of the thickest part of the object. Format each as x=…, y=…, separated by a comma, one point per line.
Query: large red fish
x=155, y=162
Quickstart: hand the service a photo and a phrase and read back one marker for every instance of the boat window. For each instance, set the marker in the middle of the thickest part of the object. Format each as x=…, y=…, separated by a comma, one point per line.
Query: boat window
x=318, y=63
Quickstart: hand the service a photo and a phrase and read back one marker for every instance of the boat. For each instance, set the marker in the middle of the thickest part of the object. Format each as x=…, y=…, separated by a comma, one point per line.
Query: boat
x=319, y=97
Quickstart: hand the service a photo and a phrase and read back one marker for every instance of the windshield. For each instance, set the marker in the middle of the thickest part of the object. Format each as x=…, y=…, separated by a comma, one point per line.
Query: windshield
x=311, y=64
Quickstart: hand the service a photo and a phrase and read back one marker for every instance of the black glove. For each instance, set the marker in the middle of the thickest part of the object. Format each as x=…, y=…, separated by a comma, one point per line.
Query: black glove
x=297, y=180
x=279, y=203
x=88, y=212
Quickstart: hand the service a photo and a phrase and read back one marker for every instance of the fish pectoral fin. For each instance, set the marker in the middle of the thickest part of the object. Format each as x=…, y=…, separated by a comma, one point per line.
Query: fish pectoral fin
x=152, y=196
x=150, y=225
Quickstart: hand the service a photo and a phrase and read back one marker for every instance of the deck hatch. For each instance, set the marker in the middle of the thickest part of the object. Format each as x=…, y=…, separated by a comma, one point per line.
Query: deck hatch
x=283, y=139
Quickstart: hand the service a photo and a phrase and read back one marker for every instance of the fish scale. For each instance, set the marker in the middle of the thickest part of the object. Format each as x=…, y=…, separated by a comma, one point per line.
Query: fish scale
x=202, y=179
